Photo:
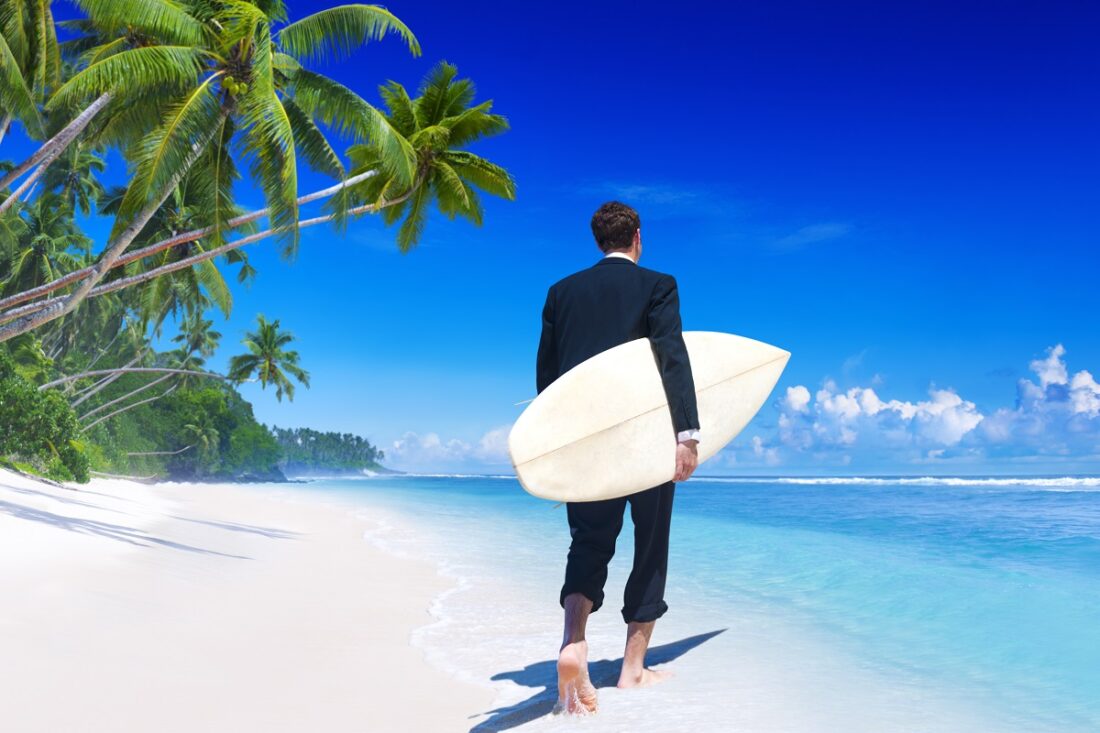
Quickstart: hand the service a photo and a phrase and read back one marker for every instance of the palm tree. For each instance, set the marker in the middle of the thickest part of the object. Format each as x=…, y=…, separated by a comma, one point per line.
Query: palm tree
x=30, y=63
x=268, y=360
x=197, y=336
x=73, y=175
x=238, y=79
x=198, y=340
x=42, y=253
x=206, y=437
x=439, y=124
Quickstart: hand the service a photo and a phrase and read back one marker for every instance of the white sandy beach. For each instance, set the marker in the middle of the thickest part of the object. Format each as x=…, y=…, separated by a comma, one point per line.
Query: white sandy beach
x=179, y=607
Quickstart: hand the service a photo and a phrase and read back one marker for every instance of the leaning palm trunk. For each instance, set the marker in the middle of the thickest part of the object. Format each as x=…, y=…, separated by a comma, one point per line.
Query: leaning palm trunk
x=182, y=238
x=4, y=127
x=66, y=304
x=161, y=452
x=28, y=312
x=123, y=476
x=27, y=187
x=186, y=262
x=102, y=384
x=133, y=370
x=51, y=149
x=107, y=348
x=131, y=406
x=125, y=397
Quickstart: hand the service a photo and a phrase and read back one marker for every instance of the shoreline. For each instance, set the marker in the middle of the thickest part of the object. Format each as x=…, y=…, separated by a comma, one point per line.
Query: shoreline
x=211, y=607
x=776, y=668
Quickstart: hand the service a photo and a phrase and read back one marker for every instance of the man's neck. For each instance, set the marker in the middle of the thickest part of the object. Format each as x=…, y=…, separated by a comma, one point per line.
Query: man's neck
x=623, y=254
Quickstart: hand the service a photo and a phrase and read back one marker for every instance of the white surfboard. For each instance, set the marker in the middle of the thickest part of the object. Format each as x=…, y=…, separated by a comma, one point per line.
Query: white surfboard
x=603, y=429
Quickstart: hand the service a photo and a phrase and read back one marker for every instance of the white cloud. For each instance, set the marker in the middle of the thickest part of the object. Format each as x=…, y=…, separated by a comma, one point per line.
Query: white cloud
x=1056, y=414
x=1051, y=370
x=840, y=418
x=429, y=452
x=770, y=455
x=493, y=446
x=1084, y=394
x=797, y=399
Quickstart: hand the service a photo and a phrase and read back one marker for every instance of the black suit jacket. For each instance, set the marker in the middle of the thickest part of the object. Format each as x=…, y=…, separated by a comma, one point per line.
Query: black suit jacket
x=608, y=304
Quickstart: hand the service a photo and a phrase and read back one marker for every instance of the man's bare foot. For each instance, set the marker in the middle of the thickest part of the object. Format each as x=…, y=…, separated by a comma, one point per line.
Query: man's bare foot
x=575, y=691
x=645, y=678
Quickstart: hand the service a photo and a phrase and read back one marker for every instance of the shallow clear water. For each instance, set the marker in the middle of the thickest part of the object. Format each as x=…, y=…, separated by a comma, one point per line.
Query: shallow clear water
x=880, y=604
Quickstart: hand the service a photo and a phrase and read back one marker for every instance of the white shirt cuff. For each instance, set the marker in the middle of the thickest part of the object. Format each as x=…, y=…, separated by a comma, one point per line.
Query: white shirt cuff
x=687, y=435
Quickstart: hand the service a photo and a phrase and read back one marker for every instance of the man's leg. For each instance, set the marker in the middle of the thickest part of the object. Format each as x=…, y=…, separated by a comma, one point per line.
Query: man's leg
x=576, y=693
x=643, y=600
x=594, y=527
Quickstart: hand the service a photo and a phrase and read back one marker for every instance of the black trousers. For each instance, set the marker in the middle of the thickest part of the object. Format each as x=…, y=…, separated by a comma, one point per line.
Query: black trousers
x=594, y=527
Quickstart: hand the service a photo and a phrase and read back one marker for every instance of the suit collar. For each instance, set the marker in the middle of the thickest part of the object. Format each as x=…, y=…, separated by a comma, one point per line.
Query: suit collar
x=616, y=261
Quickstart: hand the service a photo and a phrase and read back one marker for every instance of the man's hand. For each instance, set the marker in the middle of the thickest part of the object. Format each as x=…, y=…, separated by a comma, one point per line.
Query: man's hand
x=687, y=458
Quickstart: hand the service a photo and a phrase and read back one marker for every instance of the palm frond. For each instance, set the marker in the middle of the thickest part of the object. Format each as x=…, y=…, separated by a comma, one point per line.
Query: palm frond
x=440, y=96
x=410, y=231
x=15, y=96
x=14, y=23
x=122, y=123
x=129, y=73
x=451, y=191
x=47, y=54
x=487, y=176
x=337, y=32
x=167, y=21
x=171, y=148
x=473, y=124
x=311, y=142
x=402, y=113
x=346, y=112
x=432, y=137
x=207, y=275
x=270, y=144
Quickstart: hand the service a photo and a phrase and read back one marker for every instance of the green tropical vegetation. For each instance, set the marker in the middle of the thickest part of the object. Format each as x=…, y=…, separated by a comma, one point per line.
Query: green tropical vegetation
x=310, y=452
x=200, y=100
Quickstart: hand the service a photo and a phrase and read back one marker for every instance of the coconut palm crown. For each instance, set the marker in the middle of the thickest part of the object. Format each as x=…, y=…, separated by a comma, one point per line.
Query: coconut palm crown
x=195, y=81
x=439, y=124
x=267, y=360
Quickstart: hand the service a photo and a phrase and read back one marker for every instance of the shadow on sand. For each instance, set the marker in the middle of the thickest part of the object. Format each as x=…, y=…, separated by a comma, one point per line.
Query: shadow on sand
x=272, y=532
x=109, y=530
x=544, y=675
x=65, y=499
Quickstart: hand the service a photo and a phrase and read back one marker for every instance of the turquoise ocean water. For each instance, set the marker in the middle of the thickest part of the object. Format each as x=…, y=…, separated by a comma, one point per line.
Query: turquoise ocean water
x=795, y=604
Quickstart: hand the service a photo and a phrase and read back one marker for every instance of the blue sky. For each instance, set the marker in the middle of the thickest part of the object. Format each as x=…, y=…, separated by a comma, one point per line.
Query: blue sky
x=904, y=195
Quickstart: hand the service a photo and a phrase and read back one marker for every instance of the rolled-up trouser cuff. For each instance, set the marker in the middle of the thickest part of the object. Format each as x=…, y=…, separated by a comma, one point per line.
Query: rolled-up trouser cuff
x=646, y=613
x=596, y=598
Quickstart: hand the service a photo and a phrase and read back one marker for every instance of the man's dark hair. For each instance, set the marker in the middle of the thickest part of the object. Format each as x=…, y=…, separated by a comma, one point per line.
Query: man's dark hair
x=613, y=226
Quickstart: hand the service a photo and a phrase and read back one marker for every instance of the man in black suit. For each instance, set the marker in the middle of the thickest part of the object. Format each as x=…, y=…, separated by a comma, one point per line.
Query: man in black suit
x=605, y=305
